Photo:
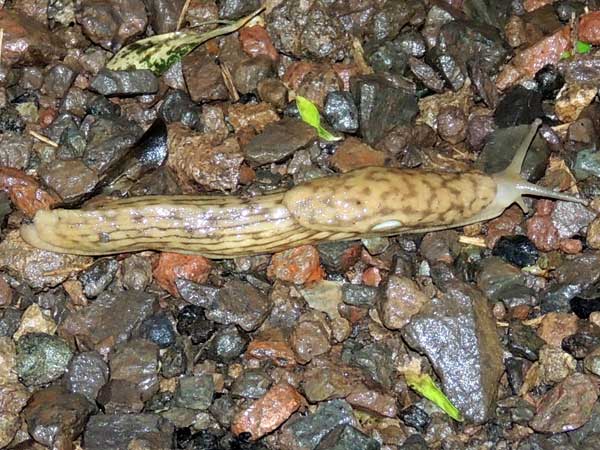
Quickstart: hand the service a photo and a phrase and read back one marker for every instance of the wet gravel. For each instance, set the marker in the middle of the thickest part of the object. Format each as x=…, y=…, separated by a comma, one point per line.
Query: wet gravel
x=306, y=349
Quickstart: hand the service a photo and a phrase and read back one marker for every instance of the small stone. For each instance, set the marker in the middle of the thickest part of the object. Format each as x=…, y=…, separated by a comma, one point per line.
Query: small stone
x=572, y=100
x=39, y=268
x=523, y=342
x=542, y=233
x=252, y=383
x=136, y=272
x=415, y=417
x=326, y=296
x=15, y=149
x=299, y=265
x=27, y=42
x=241, y=304
x=570, y=218
x=97, y=278
x=567, y=406
x=517, y=250
x=8, y=353
x=347, y=437
x=192, y=322
x=273, y=91
x=172, y=266
x=53, y=415
x=136, y=361
x=34, y=320
x=255, y=41
x=341, y=112
x=555, y=326
x=555, y=365
x=382, y=106
x=203, y=77
x=373, y=402
x=111, y=23
x=278, y=141
x=353, y=154
x=164, y=14
x=41, y=358
x=110, y=319
x=120, y=397
x=227, y=344
x=267, y=348
x=173, y=362
x=269, y=412
x=589, y=28
x=310, y=338
x=158, y=329
x=195, y=392
x=452, y=124
x=307, y=431
x=124, y=82
x=120, y=431
x=591, y=362
x=86, y=374
x=70, y=179
x=399, y=300
x=58, y=80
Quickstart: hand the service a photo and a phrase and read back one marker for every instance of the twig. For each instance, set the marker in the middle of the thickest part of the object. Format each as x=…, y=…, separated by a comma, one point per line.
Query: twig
x=1, y=42
x=476, y=241
x=228, y=79
x=186, y=5
x=44, y=139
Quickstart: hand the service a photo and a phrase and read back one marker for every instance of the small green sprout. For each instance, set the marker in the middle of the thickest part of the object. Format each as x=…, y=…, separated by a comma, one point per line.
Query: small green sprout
x=423, y=384
x=310, y=114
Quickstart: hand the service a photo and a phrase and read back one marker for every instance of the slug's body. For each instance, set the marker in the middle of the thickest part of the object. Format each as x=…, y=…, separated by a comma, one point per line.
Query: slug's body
x=365, y=202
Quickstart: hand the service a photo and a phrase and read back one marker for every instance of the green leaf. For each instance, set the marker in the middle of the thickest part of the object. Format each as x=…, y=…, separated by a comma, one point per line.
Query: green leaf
x=158, y=53
x=582, y=47
x=565, y=55
x=424, y=385
x=310, y=114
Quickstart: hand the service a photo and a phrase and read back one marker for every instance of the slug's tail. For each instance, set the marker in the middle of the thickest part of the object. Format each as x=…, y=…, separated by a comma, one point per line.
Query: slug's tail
x=513, y=186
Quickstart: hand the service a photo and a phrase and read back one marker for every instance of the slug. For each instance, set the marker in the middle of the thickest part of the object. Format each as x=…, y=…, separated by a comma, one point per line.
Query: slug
x=372, y=201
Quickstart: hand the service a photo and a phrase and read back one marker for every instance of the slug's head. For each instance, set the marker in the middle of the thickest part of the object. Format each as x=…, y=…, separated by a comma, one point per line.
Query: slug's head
x=511, y=186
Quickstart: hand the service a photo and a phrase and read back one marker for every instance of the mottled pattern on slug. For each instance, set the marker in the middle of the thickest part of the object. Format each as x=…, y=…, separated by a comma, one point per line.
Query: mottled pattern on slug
x=358, y=201
x=212, y=226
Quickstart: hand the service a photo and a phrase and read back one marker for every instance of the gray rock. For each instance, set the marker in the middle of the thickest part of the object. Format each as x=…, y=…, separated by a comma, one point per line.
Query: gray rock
x=58, y=80
x=41, y=358
x=457, y=332
x=347, y=437
x=500, y=280
x=252, y=383
x=227, y=344
x=195, y=392
x=117, y=431
x=234, y=9
x=382, y=106
x=341, y=112
x=164, y=14
x=241, y=304
x=86, y=374
x=125, y=82
x=15, y=149
x=305, y=432
x=278, y=141
x=111, y=318
x=571, y=279
x=571, y=218
x=359, y=294
x=107, y=140
x=96, y=278
x=136, y=361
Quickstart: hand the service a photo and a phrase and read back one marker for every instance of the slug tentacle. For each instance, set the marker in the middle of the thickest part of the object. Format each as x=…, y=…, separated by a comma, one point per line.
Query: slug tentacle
x=511, y=186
